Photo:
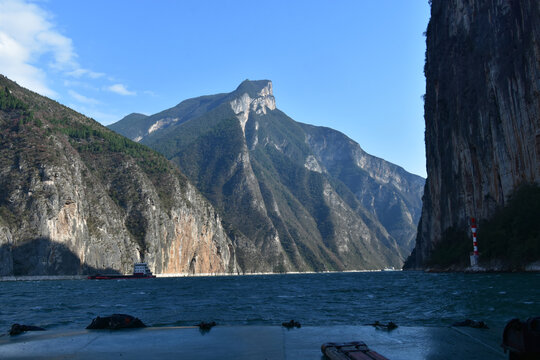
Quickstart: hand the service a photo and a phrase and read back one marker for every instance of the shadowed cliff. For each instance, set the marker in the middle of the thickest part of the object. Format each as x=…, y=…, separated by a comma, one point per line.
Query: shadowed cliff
x=44, y=257
x=482, y=113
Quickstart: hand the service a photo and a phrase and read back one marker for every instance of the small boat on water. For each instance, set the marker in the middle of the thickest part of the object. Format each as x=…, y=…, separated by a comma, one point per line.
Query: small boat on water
x=140, y=271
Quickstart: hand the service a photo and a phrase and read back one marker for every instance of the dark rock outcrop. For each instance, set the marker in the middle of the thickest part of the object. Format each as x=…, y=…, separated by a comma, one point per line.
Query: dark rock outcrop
x=482, y=113
x=17, y=329
x=381, y=326
x=291, y=324
x=471, y=323
x=206, y=326
x=116, y=322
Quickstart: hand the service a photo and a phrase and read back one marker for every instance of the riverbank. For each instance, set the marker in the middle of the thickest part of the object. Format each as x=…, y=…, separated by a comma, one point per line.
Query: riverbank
x=533, y=267
x=180, y=275
x=43, y=277
x=491, y=267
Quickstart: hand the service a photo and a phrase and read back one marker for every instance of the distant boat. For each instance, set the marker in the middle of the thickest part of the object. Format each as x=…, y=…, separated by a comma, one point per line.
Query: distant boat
x=140, y=271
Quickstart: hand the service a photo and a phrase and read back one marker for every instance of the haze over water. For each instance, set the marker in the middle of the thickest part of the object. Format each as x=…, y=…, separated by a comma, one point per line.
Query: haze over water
x=406, y=298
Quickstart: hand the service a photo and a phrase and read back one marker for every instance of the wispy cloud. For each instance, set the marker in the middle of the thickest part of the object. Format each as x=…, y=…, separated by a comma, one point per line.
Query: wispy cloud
x=81, y=84
x=120, y=89
x=82, y=99
x=85, y=72
x=102, y=117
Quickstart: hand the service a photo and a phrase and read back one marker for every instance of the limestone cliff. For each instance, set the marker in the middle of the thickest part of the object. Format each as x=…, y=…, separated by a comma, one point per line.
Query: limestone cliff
x=386, y=190
x=482, y=112
x=297, y=197
x=76, y=198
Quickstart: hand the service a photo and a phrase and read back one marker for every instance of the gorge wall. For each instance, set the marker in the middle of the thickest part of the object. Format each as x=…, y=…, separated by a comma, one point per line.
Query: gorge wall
x=482, y=112
x=77, y=198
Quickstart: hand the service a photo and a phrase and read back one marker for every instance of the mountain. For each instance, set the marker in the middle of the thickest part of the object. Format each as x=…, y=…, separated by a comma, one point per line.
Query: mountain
x=295, y=197
x=77, y=198
x=482, y=113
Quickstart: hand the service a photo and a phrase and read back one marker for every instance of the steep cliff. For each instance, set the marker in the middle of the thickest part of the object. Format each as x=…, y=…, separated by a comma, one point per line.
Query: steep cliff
x=482, y=112
x=75, y=198
x=297, y=197
x=388, y=191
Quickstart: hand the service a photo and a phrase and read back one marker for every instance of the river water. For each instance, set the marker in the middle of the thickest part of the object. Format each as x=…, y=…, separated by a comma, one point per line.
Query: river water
x=406, y=298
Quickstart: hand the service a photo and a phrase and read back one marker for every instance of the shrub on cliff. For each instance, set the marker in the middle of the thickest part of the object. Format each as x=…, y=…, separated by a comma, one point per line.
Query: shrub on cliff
x=511, y=236
x=513, y=233
x=453, y=249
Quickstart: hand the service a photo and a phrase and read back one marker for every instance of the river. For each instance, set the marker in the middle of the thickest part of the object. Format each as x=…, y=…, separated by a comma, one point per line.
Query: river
x=406, y=298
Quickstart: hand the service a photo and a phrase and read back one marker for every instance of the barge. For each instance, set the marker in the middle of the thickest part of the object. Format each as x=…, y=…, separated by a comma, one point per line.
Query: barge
x=140, y=271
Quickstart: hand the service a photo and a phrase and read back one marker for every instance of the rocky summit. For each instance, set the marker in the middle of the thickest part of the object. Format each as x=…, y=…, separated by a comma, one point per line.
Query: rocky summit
x=293, y=197
x=482, y=113
x=77, y=198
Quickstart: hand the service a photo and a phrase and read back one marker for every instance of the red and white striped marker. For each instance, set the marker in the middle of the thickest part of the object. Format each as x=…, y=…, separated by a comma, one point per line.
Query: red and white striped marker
x=475, y=243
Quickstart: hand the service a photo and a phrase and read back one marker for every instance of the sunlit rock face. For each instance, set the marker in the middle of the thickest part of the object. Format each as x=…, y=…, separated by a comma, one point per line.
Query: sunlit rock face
x=482, y=111
x=243, y=104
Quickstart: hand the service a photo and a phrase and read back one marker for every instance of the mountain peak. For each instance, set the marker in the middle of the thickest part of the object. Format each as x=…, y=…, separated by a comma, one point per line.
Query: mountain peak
x=255, y=88
x=254, y=96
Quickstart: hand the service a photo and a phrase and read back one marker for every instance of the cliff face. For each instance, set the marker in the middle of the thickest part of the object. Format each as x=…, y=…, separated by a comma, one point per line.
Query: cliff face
x=297, y=197
x=389, y=192
x=76, y=198
x=482, y=112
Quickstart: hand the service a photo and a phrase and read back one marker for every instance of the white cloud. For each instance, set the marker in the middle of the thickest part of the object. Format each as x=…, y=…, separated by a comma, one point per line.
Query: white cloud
x=28, y=38
x=14, y=64
x=120, y=89
x=81, y=98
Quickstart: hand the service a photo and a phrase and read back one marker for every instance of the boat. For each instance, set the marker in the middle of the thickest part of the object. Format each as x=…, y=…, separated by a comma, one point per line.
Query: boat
x=354, y=350
x=140, y=271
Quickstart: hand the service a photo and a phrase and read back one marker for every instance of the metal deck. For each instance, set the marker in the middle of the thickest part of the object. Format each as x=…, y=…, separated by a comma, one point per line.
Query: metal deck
x=251, y=342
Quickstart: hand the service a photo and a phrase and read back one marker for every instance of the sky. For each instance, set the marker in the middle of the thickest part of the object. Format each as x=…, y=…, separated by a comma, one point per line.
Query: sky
x=352, y=65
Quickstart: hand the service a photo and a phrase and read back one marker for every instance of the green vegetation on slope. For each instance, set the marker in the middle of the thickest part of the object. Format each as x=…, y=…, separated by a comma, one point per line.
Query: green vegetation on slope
x=20, y=110
x=33, y=125
x=136, y=120
x=10, y=102
x=204, y=149
x=453, y=249
x=511, y=236
x=93, y=139
x=513, y=233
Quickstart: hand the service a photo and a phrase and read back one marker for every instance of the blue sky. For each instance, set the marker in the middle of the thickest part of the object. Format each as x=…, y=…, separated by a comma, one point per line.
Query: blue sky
x=355, y=65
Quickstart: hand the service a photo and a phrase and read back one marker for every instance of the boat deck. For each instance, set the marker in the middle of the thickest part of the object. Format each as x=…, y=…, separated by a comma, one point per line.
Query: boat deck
x=252, y=342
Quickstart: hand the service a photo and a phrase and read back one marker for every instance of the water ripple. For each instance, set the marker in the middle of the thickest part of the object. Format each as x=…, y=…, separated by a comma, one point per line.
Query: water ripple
x=407, y=298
